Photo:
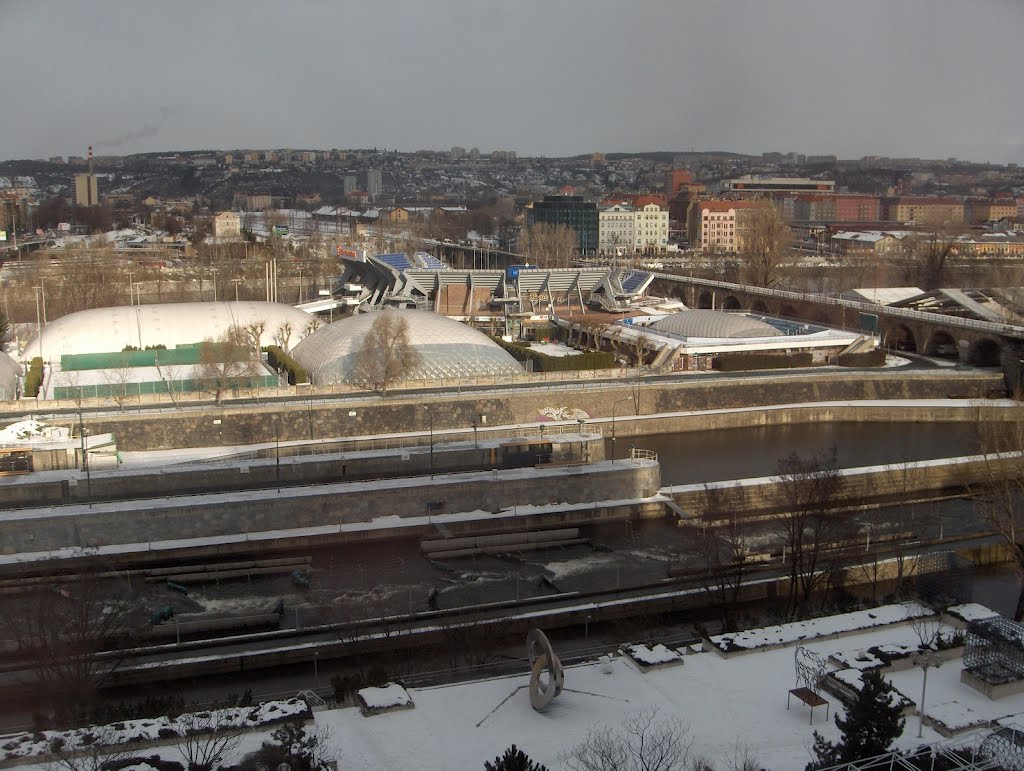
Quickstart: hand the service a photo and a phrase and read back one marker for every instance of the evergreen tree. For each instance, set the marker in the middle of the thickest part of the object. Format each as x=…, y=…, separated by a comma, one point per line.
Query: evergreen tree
x=871, y=724
x=514, y=759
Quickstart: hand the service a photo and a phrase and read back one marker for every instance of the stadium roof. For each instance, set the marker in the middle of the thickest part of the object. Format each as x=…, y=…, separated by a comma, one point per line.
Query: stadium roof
x=170, y=324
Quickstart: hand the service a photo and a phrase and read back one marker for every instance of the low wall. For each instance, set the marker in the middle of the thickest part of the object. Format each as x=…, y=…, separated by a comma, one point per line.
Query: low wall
x=250, y=474
x=213, y=516
x=856, y=485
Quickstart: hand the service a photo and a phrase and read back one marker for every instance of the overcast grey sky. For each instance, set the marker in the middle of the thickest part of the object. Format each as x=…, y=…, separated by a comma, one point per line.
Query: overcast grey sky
x=930, y=78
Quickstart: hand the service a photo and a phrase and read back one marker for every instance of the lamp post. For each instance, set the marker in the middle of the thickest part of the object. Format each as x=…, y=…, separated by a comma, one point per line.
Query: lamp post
x=277, y=443
x=430, y=422
x=925, y=660
x=316, y=670
x=85, y=459
x=614, y=405
x=236, y=282
x=475, y=444
x=214, y=271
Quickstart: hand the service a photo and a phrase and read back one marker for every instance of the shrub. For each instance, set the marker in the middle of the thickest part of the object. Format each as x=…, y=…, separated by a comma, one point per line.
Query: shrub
x=514, y=759
x=873, y=358
x=34, y=377
x=737, y=362
x=544, y=363
x=281, y=362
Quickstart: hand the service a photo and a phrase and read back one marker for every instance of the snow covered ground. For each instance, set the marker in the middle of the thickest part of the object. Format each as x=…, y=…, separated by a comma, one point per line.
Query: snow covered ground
x=722, y=700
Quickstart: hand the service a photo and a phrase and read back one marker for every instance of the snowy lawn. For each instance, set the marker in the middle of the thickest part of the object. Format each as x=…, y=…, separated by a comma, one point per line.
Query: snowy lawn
x=722, y=700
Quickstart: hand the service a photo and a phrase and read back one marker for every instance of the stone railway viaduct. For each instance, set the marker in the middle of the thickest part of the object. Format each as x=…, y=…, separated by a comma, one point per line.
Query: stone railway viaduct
x=979, y=343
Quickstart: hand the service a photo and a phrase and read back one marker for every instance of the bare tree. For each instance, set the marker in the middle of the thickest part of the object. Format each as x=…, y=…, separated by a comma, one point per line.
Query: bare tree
x=227, y=363
x=807, y=526
x=644, y=742
x=548, y=246
x=722, y=547
x=926, y=255
x=254, y=332
x=71, y=381
x=96, y=748
x=60, y=625
x=207, y=738
x=171, y=374
x=283, y=335
x=1000, y=498
x=765, y=245
x=119, y=380
x=386, y=354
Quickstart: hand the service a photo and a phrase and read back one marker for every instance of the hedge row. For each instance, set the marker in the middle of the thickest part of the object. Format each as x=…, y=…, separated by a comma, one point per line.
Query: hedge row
x=544, y=363
x=280, y=361
x=872, y=358
x=34, y=377
x=735, y=362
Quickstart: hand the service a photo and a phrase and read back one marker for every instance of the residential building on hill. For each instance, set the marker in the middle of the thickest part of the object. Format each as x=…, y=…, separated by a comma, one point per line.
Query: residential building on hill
x=227, y=224
x=925, y=210
x=751, y=183
x=812, y=207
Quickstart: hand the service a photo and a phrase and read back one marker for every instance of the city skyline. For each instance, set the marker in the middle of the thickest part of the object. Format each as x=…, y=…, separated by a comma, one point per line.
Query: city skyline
x=921, y=78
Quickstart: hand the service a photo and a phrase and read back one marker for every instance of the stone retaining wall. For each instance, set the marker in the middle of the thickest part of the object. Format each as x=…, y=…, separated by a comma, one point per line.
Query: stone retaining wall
x=210, y=516
x=312, y=420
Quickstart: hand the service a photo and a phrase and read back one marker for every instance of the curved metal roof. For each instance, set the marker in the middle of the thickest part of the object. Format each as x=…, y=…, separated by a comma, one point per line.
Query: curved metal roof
x=102, y=330
x=714, y=324
x=9, y=371
x=447, y=348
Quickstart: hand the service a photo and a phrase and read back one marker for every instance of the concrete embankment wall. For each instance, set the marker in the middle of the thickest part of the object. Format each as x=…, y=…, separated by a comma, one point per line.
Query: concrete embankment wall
x=313, y=420
x=211, y=516
x=855, y=486
x=246, y=474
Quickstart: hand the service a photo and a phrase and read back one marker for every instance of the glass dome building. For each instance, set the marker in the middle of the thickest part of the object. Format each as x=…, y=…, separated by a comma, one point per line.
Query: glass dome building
x=447, y=349
x=713, y=325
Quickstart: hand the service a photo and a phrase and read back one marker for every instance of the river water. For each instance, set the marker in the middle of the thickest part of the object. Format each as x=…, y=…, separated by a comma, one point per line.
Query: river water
x=707, y=456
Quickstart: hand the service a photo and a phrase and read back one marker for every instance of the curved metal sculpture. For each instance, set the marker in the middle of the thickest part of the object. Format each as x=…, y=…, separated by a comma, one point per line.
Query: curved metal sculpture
x=543, y=690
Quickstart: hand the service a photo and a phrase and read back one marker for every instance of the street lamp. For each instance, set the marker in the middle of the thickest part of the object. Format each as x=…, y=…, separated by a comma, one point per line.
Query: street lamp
x=925, y=660
x=430, y=419
x=614, y=405
x=85, y=459
x=236, y=282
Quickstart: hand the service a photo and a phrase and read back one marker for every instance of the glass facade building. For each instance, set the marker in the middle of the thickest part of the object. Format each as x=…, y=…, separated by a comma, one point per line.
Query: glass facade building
x=570, y=210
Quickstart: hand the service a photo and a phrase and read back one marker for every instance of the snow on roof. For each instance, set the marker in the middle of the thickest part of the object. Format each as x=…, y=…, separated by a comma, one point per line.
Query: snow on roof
x=29, y=431
x=104, y=330
x=882, y=295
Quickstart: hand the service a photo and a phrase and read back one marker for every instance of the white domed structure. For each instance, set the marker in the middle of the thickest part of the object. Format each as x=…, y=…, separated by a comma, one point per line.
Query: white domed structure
x=447, y=348
x=9, y=372
x=713, y=325
x=106, y=330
